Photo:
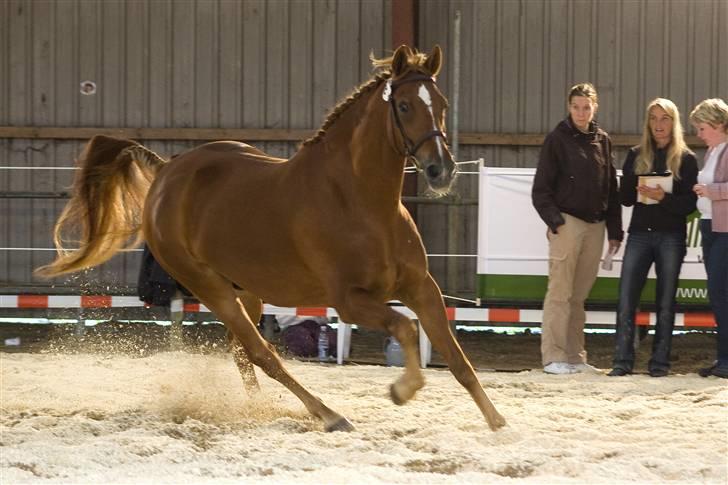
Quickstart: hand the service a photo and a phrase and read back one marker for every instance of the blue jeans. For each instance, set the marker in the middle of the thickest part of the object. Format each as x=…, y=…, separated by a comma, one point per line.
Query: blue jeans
x=667, y=251
x=715, y=257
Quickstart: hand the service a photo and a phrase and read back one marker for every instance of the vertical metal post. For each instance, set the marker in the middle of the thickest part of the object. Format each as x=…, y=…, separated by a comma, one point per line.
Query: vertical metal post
x=176, y=314
x=453, y=212
x=269, y=327
x=79, y=329
x=456, y=86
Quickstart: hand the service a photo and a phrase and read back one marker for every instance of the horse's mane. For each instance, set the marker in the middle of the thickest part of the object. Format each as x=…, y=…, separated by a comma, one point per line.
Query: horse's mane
x=384, y=65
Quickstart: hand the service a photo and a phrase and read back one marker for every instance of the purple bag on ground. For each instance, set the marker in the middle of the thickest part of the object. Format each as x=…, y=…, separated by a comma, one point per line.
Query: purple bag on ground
x=302, y=339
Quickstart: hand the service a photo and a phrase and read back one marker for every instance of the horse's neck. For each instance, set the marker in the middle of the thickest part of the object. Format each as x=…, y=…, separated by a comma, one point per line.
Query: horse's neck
x=358, y=147
x=379, y=169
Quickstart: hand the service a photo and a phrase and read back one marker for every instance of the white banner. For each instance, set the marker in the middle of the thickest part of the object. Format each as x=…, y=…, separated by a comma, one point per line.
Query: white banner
x=512, y=236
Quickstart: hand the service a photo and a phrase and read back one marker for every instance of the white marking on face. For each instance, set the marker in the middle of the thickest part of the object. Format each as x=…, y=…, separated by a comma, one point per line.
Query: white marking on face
x=387, y=93
x=424, y=95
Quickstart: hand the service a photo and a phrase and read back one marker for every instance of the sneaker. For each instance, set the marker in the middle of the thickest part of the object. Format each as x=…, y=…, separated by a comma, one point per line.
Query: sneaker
x=617, y=372
x=658, y=372
x=713, y=370
x=559, y=368
x=720, y=372
x=586, y=368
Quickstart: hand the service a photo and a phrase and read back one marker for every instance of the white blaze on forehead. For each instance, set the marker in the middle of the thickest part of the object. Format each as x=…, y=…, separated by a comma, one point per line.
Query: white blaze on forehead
x=424, y=95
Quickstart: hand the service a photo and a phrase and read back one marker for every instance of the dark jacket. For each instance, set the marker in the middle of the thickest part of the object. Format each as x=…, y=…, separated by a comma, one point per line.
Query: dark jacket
x=155, y=286
x=575, y=175
x=670, y=214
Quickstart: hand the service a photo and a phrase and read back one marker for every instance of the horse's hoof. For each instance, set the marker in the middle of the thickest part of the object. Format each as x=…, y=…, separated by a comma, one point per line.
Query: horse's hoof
x=342, y=424
x=396, y=398
x=497, y=422
x=252, y=389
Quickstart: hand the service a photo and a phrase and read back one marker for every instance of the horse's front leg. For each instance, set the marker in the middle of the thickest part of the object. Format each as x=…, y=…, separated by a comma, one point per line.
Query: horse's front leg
x=362, y=309
x=426, y=301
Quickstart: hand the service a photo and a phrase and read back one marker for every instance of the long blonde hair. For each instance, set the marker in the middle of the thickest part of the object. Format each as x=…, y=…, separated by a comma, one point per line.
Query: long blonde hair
x=675, y=149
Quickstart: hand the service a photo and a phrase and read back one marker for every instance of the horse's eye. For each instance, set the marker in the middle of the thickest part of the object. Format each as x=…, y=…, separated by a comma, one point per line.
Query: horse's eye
x=403, y=106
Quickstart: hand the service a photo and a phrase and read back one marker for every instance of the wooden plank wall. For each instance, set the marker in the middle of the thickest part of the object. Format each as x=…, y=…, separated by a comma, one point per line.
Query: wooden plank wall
x=519, y=57
x=162, y=64
x=282, y=64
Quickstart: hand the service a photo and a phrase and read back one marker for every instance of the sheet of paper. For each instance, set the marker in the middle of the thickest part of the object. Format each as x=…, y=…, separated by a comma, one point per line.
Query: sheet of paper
x=654, y=180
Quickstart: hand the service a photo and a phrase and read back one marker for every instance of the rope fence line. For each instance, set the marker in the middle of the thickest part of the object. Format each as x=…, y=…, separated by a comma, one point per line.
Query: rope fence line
x=140, y=250
x=20, y=167
x=467, y=162
x=407, y=170
x=477, y=138
x=17, y=167
x=134, y=250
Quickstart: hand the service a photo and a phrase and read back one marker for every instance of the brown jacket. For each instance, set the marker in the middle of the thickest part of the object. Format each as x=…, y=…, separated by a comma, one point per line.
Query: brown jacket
x=575, y=175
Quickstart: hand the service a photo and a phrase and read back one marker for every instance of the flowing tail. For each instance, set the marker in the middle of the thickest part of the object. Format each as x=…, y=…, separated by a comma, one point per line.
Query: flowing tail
x=105, y=210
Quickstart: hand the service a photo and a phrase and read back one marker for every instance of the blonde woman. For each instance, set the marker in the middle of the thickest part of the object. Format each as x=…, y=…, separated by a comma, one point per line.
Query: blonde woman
x=657, y=232
x=575, y=193
x=711, y=120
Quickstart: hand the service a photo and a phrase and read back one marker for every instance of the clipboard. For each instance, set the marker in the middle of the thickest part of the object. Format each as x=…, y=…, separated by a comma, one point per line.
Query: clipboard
x=663, y=180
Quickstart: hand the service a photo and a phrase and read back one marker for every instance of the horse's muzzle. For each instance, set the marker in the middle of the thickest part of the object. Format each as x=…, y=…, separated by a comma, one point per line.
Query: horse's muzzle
x=439, y=174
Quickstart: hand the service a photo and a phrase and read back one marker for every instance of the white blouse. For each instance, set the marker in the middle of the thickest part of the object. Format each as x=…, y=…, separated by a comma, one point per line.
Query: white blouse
x=706, y=176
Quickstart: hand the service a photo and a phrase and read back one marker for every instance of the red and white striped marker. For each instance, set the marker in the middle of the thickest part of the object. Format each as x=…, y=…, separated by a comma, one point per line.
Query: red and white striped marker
x=493, y=315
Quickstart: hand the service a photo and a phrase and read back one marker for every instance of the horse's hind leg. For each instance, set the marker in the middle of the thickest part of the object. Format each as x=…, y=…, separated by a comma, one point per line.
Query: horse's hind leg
x=426, y=301
x=364, y=310
x=218, y=295
x=254, y=306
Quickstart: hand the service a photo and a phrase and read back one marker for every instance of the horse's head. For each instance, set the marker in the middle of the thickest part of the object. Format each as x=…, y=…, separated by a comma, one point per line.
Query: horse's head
x=417, y=121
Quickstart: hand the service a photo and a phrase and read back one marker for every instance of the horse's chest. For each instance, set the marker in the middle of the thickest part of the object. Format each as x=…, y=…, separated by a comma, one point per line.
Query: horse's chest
x=374, y=258
x=382, y=264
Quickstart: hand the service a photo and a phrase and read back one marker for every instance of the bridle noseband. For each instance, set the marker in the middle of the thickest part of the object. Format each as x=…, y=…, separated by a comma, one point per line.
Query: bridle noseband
x=410, y=147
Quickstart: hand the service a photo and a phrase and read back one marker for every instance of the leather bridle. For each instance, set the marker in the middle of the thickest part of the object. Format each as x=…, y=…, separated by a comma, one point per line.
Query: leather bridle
x=410, y=147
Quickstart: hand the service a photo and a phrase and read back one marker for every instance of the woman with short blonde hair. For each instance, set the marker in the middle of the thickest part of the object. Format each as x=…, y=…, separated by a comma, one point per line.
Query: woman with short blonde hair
x=710, y=118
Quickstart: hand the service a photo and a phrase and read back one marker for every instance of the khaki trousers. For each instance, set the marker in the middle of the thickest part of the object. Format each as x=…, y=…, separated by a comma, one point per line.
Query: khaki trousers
x=574, y=255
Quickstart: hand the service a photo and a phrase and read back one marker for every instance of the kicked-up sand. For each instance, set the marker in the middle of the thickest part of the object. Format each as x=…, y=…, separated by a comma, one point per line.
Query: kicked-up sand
x=180, y=417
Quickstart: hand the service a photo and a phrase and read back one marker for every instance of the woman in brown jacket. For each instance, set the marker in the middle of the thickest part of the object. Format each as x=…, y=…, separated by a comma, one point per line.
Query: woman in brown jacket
x=575, y=193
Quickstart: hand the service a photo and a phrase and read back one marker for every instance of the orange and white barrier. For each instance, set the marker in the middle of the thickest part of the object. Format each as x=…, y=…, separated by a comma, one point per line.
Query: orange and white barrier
x=469, y=314
x=479, y=314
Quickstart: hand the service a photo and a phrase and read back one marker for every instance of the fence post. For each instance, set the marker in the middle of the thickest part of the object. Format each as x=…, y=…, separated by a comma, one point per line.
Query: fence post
x=269, y=323
x=176, y=314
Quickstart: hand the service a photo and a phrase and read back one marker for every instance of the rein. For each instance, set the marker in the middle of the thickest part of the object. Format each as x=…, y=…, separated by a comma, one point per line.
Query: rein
x=410, y=147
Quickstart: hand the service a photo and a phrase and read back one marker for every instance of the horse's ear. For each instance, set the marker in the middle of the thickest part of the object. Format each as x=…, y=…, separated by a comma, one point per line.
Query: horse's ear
x=434, y=60
x=400, y=60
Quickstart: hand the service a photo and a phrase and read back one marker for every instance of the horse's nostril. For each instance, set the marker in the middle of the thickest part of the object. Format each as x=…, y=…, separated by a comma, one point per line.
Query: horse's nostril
x=433, y=171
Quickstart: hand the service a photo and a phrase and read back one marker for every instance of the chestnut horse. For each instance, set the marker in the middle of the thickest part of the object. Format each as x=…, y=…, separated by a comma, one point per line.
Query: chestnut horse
x=325, y=228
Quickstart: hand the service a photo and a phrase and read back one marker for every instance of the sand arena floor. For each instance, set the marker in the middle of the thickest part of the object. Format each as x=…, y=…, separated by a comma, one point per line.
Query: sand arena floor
x=116, y=411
